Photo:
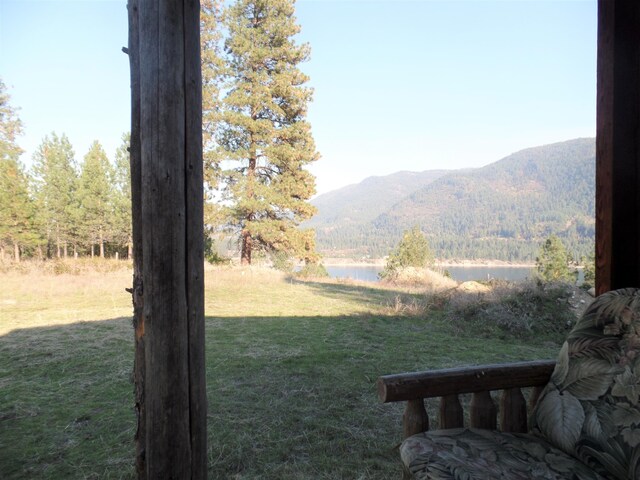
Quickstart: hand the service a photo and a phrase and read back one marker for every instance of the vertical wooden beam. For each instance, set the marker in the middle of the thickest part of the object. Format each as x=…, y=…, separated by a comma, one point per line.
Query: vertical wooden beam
x=195, y=240
x=170, y=226
x=618, y=146
x=136, y=215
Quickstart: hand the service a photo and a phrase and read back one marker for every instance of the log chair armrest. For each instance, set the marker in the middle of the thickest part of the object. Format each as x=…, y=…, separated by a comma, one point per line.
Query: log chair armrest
x=455, y=381
x=479, y=380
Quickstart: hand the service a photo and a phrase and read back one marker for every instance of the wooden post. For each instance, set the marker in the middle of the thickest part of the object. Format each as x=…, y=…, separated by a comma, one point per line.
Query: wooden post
x=451, y=413
x=483, y=411
x=618, y=146
x=166, y=156
x=135, y=156
x=415, y=419
x=513, y=411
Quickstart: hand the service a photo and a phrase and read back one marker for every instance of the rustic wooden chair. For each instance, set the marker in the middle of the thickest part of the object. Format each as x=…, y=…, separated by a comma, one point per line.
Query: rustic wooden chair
x=585, y=419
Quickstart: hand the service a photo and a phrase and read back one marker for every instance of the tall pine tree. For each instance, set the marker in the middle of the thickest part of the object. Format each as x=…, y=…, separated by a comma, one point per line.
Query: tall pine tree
x=122, y=228
x=95, y=193
x=55, y=182
x=263, y=139
x=213, y=70
x=16, y=206
x=16, y=209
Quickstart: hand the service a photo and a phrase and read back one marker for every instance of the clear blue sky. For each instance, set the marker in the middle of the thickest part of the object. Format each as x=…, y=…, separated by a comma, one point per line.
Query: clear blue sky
x=399, y=85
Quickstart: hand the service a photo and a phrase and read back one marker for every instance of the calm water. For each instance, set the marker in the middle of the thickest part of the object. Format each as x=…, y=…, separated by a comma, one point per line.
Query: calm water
x=461, y=274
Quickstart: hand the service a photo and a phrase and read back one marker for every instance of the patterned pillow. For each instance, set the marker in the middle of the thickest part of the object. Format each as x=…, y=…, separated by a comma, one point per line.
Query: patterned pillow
x=590, y=408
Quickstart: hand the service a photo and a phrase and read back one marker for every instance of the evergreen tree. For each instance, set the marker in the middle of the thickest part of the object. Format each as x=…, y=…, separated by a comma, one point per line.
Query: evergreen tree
x=412, y=251
x=590, y=271
x=95, y=193
x=55, y=182
x=213, y=69
x=10, y=127
x=552, y=263
x=263, y=141
x=16, y=206
x=122, y=227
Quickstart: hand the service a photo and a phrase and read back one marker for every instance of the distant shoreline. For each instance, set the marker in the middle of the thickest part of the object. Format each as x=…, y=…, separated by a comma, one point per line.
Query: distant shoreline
x=380, y=262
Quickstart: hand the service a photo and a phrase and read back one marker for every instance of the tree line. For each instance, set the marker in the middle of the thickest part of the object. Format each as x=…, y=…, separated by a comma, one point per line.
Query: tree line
x=59, y=208
x=257, y=144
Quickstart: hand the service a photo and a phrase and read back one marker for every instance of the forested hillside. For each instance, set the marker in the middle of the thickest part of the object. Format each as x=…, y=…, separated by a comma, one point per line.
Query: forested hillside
x=363, y=202
x=501, y=211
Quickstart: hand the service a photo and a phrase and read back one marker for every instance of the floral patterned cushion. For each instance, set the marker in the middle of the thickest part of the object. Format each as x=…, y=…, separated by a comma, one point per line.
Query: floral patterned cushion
x=586, y=424
x=475, y=454
x=590, y=407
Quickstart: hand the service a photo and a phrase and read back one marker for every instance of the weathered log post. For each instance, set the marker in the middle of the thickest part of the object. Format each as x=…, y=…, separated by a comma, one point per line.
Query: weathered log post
x=166, y=166
x=618, y=146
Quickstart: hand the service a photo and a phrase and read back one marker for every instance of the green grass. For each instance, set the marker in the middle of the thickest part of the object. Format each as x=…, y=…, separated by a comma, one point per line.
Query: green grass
x=291, y=368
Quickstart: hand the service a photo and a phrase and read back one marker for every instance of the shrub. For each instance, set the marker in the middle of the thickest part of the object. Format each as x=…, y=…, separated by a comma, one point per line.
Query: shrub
x=520, y=309
x=211, y=254
x=552, y=263
x=590, y=272
x=412, y=251
x=312, y=270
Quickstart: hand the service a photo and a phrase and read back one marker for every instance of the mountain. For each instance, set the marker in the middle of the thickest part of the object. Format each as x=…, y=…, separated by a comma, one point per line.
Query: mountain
x=501, y=211
x=363, y=202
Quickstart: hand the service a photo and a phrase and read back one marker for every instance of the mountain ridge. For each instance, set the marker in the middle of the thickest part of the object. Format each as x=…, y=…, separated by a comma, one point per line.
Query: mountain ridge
x=501, y=211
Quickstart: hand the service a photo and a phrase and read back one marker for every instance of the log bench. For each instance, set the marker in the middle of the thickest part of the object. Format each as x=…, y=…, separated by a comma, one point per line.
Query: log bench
x=582, y=420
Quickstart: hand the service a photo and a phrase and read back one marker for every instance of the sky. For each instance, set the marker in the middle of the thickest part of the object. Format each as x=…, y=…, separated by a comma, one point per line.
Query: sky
x=398, y=85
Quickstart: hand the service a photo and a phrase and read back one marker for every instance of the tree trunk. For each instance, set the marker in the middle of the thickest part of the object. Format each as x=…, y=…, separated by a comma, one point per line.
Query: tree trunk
x=247, y=240
x=1, y=253
x=167, y=195
x=245, y=255
x=92, y=254
x=66, y=250
x=101, y=244
x=16, y=252
x=58, y=248
x=129, y=249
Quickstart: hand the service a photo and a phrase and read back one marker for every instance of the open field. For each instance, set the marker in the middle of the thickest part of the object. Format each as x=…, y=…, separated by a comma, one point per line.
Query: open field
x=291, y=368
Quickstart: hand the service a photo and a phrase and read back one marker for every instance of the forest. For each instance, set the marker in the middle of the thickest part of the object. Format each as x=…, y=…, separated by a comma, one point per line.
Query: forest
x=59, y=208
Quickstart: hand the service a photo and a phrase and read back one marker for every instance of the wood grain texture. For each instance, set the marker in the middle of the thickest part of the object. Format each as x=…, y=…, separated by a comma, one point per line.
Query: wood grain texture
x=415, y=419
x=195, y=240
x=133, y=50
x=172, y=238
x=451, y=412
x=604, y=146
x=483, y=413
x=618, y=146
x=513, y=411
x=455, y=381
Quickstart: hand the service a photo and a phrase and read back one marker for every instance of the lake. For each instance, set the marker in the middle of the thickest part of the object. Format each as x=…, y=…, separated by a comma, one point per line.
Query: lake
x=458, y=273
